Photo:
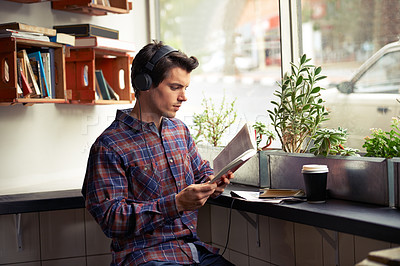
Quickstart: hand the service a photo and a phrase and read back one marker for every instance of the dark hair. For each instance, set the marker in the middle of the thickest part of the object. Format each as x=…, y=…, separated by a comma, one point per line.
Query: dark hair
x=163, y=66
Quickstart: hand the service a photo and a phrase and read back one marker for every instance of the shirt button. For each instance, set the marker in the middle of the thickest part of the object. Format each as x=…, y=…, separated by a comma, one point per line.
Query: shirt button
x=171, y=161
x=145, y=168
x=191, y=227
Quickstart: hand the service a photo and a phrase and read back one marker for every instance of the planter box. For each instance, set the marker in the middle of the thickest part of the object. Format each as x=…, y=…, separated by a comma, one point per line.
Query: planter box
x=362, y=179
x=394, y=182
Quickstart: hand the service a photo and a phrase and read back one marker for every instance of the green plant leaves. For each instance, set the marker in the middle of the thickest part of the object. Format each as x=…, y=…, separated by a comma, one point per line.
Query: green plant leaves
x=299, y=111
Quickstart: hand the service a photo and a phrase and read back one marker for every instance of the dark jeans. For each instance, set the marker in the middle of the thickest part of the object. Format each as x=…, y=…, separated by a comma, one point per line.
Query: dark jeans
x=205, y=257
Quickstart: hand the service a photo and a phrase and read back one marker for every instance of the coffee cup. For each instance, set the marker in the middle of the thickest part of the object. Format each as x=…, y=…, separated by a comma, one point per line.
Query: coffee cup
x=315, y=179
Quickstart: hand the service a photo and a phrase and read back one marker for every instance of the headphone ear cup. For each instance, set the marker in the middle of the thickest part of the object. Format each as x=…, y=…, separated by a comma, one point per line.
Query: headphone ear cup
x=143, y=81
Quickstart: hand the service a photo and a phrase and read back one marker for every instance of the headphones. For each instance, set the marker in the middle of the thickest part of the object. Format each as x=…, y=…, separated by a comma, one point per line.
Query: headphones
x=143, y=80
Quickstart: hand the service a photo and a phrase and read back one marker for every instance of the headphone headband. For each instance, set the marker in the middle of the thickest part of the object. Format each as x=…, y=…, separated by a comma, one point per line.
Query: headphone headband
x=163, y=51
x=143, y=81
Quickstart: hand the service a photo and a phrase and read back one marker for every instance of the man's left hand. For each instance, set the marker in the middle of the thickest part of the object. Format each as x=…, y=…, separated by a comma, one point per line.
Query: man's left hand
x=222, y=184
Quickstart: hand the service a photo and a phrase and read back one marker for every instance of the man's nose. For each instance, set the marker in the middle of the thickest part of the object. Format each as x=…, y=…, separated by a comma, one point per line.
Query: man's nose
x=182, y=96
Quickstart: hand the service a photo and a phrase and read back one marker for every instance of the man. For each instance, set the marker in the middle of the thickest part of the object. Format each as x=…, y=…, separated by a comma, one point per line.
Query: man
x=145, y=179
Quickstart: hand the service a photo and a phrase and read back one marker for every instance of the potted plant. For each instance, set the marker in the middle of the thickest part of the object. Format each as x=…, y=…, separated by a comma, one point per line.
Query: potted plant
x=212, y=123
x=260, y=130
x=300, y=110
x=296, y=117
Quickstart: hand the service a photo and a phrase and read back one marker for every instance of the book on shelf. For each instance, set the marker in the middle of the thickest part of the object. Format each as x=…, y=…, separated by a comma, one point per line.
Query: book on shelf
x=102, y=83
x=239, y=150
x=29, y=72
x=53, y=71
x=48, y=72
x=4, y=33
x=113, y=94
x=37, y=57
x=63, y=38
x=23, y=83
x=88, y=30
x=37, y=75
x=28, y=28
x=104, y=43
x=98, y=95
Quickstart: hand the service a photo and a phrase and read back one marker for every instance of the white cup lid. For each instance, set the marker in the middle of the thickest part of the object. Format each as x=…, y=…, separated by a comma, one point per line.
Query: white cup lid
x=316, y=168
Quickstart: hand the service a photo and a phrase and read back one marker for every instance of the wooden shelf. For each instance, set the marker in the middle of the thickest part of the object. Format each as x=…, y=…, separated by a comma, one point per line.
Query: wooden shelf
x=29, y=1
x=93, y=8
x=8, y=79
x=80, y=69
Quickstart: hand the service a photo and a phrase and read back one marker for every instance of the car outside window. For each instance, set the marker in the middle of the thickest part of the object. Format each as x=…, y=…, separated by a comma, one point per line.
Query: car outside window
x=382, y=77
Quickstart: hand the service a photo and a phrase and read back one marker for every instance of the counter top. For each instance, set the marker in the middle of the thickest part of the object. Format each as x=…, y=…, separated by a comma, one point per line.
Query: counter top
x=41, y=201
x=372, y=221
x=367, y=220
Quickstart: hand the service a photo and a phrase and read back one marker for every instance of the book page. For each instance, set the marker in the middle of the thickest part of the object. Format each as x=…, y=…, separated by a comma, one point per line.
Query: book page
x=241, y=143
x=240, y=149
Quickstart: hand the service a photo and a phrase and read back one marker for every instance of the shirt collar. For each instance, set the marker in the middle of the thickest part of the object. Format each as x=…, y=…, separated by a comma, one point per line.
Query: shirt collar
x=125, y=117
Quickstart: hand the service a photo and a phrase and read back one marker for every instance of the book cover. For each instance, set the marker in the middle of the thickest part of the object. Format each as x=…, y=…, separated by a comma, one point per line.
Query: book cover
x=36, y=56
x=238, y=151
x=87, y=30
x=102, y=85
x=104, y=43
x=28, y=28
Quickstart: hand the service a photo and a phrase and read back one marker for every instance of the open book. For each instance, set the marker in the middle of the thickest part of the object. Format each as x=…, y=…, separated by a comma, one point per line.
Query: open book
x=240, y=149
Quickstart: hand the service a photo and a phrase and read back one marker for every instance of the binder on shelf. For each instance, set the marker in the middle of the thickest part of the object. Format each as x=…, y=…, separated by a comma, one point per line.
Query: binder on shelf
x=87, y=30
x=104, y=43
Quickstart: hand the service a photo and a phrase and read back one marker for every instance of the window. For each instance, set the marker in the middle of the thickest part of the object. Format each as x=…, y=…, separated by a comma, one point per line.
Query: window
x=342, y=37
x=238, y=45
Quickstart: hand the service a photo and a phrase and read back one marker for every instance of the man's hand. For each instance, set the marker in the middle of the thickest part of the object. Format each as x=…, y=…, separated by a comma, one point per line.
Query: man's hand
x=221, y=185
x=194, y=196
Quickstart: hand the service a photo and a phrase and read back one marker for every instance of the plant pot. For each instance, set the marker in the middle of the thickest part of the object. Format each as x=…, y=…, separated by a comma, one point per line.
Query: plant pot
x=362, y=179
x=394, y=182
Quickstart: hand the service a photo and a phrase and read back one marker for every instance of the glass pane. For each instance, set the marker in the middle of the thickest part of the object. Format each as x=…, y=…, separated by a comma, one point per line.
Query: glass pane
x=238, y=45
x=356, y=43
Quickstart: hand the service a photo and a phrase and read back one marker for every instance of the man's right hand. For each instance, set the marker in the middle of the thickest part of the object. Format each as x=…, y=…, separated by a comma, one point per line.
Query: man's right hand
x=194, y=196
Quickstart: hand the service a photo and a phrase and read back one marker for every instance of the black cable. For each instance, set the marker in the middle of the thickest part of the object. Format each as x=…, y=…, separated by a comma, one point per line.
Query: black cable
x=229, y=226
x=228, y=233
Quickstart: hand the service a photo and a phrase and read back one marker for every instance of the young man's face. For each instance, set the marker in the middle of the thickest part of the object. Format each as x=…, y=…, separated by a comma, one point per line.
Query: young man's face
x=168, y=97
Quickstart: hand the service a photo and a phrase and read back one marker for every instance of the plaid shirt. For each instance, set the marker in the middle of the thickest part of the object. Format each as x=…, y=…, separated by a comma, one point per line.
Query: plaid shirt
x=132, y=177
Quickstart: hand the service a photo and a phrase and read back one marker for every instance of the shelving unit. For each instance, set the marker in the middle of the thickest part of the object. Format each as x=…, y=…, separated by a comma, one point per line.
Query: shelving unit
x=80, y=69
x=94, y=7
x=8, y=81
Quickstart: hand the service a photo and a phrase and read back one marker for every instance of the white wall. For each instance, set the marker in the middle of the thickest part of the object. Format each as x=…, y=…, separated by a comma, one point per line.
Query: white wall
x=45, y=146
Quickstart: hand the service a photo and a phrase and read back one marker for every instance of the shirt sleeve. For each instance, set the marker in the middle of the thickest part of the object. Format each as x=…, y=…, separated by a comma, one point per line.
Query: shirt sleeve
x=107, y=198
